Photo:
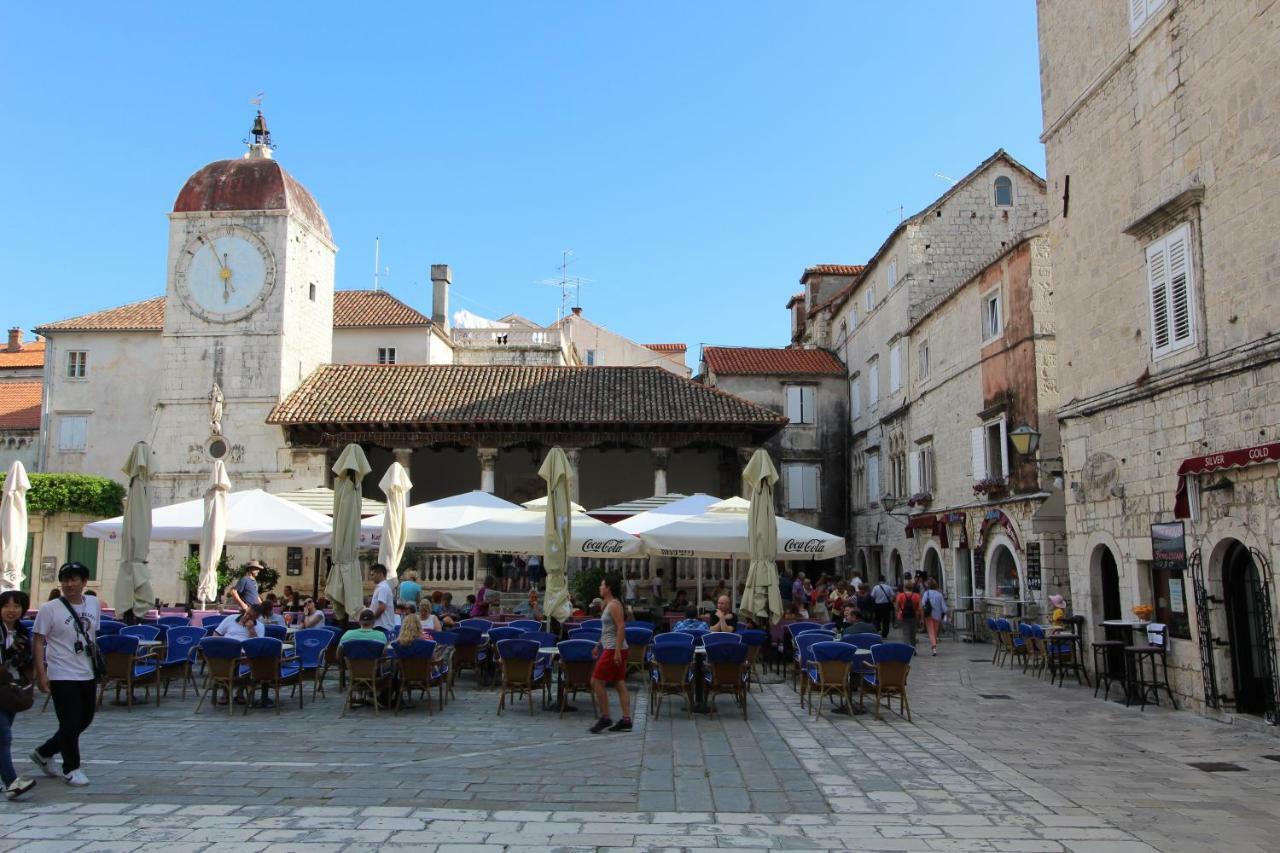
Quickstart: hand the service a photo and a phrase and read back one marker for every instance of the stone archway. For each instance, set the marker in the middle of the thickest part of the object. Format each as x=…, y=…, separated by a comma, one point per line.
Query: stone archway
x=931, y=565
x=895, y=566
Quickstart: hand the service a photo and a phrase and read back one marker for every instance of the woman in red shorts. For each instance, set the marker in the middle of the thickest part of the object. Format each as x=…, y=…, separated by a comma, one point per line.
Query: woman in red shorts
x=611, y=665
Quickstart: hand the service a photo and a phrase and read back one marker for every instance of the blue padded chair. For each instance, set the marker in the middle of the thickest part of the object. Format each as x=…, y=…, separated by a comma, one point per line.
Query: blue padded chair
x=311, y=646
x=680, y=638
x=794, y=628
x=142, y=632
x=179, y=656
x=417, y=668
x=800, y=659
x=891, y=662
x=363, y=661
x=109, y=627
x=638, y=641
x=542, y=638
x=213, y=621
x=332, y=658
x=996, y=640
x=27, y=623
x=828, y=626
x=640, y=623
x=277, y=632
x=863, y=641
x=497, y=635
x=222, y=654
x=577, y=662
x=521, y=671
x=714, y=638
x=267, y=667
x=693, y=632
x=450, y=639
x=476, y=624
x=125, y=669
x=592, y=634
x=1015, y=645
x=173, y=621
x=828, y=672
x=726, y=672
x=468, y=650
x=755, y=641
x=592, y=623
x=672, y=673
x=525, y=624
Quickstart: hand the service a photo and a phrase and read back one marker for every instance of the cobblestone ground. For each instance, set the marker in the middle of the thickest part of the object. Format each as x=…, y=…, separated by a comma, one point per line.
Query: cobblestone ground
x=996, y=760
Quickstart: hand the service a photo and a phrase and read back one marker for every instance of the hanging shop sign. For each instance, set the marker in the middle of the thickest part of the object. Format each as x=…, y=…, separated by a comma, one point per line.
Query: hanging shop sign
x=1186, y=500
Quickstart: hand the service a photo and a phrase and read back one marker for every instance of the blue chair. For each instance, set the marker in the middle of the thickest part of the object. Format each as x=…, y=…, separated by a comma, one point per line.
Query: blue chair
x=125, y=668
x=891, y=662
x=794, y=628
x=521, y=671
x=416, y=666
x=268, y=668
x=179, y=656
x=675, y=637
x=142, y=632
x=672, y=673
x=468, y=650
x=592, y=634
x=109, y=627
x=363, y=661
x=828, y=672
x=726, y=672
x=174, y=621
x=800, y=659
x=27, y=623
x=222, y=654
x=332, y=658
x=450, y=639
x=543, y=638
x=497, y=635
x=755, y=640
x=213, y=621
x=863, y=641
x=598, y=624
x=693, y=632
x=387, y=632
x=577, y=662
x=715, y=638
x=525, y=624
x=638, y=642
x=277, y=632
x=1014, y=643
x=476, y=624
x=311, y=646
x=640, y=623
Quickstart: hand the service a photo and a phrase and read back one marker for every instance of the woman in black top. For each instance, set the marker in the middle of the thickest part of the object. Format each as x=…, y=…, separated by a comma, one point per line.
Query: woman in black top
x=17, y=668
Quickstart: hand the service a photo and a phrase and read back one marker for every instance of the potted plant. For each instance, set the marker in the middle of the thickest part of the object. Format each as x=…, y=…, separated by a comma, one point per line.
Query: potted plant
x=989, y=486
x=920, y=499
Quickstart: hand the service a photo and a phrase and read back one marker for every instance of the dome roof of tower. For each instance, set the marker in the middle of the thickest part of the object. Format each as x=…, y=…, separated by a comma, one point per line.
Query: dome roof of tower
x=257, y=183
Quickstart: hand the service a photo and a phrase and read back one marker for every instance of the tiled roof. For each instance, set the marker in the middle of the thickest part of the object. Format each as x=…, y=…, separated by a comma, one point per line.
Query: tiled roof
x=373, y=308
x=144, y=316
x=788, y=361
x=832, y=269
x=20, y=405
x=31, y=355
x=475, y=395
x=667, y=347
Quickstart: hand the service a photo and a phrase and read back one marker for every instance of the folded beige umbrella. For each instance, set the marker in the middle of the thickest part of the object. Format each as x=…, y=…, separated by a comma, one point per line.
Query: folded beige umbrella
x=13, y=526
x=133, y=583
x=395, y=485
x=343, y=586
x=213, y=533
x=761, y=598
x=555, y=561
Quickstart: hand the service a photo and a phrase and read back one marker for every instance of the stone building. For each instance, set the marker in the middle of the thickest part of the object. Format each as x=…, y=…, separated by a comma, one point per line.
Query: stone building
x=598, y=346
x=21, y=371
x=1160, y=129
x=928, y=256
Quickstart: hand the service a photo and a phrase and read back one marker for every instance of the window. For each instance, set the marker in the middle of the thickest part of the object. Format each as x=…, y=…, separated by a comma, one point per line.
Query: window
x=84, y=551
x=898, y=473
x=1169, y=594
x=802, y=486
x=873, y=383
x=386, y=355
x=311, y=292
x=891, y=276
x=992, y=316
x=873, y=478
x=77, y=364
x=71, y=432
x=800, y=404
x=591, y=358
x=844, y=332
x=990, y=451
x=895, y=368
x=871, y=299
x=855, y=399
x=1171, y=286
x=1004, y=192
x=922, y=470
x=1140, y=11
x=858, y=483
x=922, y=359
x=853, y=316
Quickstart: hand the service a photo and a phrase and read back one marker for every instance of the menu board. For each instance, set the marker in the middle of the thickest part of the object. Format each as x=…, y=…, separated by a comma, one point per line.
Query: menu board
x=1033, y=566
x=1168, y=562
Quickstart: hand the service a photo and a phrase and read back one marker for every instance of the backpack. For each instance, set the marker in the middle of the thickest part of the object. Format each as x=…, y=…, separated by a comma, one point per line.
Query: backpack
x=928, y=604
x=908, y=606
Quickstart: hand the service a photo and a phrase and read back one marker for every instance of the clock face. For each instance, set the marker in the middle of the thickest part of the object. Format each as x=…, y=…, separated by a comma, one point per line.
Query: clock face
x=225, y=273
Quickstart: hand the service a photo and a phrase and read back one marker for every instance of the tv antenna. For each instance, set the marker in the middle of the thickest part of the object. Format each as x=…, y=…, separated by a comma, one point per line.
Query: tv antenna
x=900, y=210
x=565, y=281
x=379, y=271
x=946, y=178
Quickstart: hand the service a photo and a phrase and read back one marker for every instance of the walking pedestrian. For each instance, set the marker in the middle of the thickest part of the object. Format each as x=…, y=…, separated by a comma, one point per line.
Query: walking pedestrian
x=65, y=630
x=908, y=604
x=383, y=602
x=17, y=675
x=245, y=591
x=882, y=606
x=934, y=609
x=611, y=665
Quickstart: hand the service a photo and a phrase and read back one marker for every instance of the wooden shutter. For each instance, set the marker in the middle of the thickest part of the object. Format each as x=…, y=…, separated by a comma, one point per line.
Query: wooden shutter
x=1004, y=448
x=978, y=446
x=808, y=405
x=1178, y=254
x=855, y=399
x=873, y=382
x=895, y=367
x=873, y=479
x=809, y=479
x=793, y=403
x=794, y=489
x=1137, y=14
x=1158, y=284
x=913, y=473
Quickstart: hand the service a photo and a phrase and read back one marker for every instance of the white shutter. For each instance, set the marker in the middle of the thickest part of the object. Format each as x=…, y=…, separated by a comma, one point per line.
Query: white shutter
x=913, y=473
x=873, y=479
x=873, y=382
x=793, y=403
x=794, y=489
x=808, y=405
x=855, y=399
x=1004, y=448
x=810, y=479
x=891, y=276
x=895, y=367
x=1158, y=284
x=1137, y=14
x=977, y=441
x=1177, y=252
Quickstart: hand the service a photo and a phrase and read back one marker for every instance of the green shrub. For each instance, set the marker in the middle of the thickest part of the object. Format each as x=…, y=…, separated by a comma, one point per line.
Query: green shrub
x=585, y=585
x=191, y=575
x=79, y=493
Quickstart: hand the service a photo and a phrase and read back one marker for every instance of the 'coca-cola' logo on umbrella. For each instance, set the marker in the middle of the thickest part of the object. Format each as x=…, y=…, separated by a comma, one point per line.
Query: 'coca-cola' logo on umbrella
x=602, y=546
x=804, y=546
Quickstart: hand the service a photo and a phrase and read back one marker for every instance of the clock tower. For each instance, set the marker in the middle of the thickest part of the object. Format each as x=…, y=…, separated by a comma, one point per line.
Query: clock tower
x=248, y=315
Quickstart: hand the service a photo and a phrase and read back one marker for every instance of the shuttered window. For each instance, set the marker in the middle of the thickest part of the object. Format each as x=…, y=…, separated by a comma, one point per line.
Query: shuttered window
x=873, y=383
x=800, y=404
x=1140, y=11
x=855, y=399
x=978, y=451
x=72, y=432
x=891, y=275
x=802, y=485
x=873, y=479
x=1171, y=287
x=84, y=551
x=913, y=474
x=895, y=368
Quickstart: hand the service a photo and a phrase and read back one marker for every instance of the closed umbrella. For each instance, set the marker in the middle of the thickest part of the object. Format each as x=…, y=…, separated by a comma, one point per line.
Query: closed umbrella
x=343, y=587
x=395, y=485
x=133, y=582
x=761, y=598
x=213, y=534
x=555, y=562
x=13, y=526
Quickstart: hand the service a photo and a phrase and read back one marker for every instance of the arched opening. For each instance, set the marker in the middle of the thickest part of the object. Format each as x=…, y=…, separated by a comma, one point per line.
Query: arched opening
x=895, y=566
x=933, y=567
x=1245, y=604
x=860, y=565
x=1003, y=578
x=1109, y=583
x=1004, y=192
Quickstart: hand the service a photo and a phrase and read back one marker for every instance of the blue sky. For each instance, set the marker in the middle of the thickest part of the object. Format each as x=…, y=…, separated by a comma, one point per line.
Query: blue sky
x=695, y=156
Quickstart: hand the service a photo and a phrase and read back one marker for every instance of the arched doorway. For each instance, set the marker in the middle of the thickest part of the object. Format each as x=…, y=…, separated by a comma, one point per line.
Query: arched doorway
x=1004, y=579
x=933, y=566
x=1109, y=583
x=860, y=566
x=895, y=567
x=1246, y=602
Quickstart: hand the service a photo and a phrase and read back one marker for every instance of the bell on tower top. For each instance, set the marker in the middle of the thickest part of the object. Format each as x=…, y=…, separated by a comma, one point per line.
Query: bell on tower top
x=261, y=145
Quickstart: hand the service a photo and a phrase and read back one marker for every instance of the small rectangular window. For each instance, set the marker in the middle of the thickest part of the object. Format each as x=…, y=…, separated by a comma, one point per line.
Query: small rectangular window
x=593, y=358
x=1140, y=11
x=800, y=404
x=386, y=355
x=873, y=479
x=871, y=299
x=802, y=485
x=926, y=468
x=1171, y=287
x=992, y=316
x=895, y=368
x=922, y=359
x=873, y=383
x=855, y=399
x=77, y=364
x=891, y=275
x=311, y=292
x=853, y=316
x=72, y=431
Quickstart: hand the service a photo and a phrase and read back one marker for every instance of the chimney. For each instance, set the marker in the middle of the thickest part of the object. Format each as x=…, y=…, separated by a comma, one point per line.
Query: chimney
x=15, y=340
x=577, y=312
x=441, y=276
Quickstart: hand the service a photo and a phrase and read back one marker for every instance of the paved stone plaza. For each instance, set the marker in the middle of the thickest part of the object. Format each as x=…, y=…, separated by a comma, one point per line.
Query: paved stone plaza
x=1046, y=769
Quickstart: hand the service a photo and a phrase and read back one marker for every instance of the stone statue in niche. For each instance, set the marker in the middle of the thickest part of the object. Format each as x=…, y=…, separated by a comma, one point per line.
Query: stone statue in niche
x=215, y=409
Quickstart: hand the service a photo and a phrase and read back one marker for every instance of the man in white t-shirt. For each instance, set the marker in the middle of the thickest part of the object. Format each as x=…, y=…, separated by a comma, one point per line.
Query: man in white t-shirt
x=383, y=603
x=243, y=626
x=64, y=630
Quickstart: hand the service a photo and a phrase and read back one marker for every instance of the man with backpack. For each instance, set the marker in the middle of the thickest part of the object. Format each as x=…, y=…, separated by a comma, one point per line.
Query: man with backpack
x=908, y=603
x=882, y=606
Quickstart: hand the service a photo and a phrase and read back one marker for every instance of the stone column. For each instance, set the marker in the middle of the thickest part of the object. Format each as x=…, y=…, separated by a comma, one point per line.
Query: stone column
x=575, y=456
x=488, y=459
x=403, y=455
x=661, y=456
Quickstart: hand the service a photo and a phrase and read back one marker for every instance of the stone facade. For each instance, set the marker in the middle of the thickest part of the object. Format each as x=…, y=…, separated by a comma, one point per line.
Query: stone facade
x=598, y=346
x=1160, y=141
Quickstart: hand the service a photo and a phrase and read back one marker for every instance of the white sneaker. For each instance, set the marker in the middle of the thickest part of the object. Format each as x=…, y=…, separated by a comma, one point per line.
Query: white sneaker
x=18, y=787
x=76, y=778
x=45, y=764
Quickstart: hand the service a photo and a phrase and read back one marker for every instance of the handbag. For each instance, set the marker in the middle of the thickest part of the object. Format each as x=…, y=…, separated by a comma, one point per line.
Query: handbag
x=16, y=698
x=96, y=659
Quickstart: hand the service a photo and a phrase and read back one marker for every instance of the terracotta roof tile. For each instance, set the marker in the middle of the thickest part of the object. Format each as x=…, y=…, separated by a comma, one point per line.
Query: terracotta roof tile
x=667, y=347
x=20, y=405
x=373, y=308
x=788, y=361
x=31, y=355
x=144, y=316
x=491, y=394
x=832, y=269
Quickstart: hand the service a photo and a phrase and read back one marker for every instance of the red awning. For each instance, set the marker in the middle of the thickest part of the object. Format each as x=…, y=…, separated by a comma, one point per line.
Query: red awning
x=1243, y=458
x=924, y=521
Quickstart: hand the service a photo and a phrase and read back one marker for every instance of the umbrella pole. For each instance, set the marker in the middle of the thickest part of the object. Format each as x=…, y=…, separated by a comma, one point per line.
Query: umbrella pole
x=701, y=561
x=733, y=583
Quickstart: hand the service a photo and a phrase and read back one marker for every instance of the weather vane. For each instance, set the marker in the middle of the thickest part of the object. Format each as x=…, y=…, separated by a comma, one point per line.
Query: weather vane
x=261, y=136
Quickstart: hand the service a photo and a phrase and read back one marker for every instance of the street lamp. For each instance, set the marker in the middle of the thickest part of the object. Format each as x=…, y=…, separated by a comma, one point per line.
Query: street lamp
x=1026, y=439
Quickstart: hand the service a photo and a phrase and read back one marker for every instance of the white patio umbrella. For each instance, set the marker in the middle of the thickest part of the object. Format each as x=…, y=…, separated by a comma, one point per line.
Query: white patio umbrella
x=343, y=586
x=424, y=522
x=522, y=531
x=723, y=531
x=133, y=582
x=557, y=527
x=213, y=533
x=254, y=517
x=688, y=507
x=395, y=485
x=13, y=526
x=761, y=598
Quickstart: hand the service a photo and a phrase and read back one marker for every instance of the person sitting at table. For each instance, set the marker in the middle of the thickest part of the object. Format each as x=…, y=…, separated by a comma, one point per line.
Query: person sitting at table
x=311, y=615
x=690, y=622
x=269, y=614
x=449, y=613
x=410, y=629
x=855, y=623
x=723, y=619
x=1059, y=614
x=366, y=631
x=681, y=601
x=244, y=625
x=291, y=600
x=429, y=620
x=797, y=612
x=530, y=608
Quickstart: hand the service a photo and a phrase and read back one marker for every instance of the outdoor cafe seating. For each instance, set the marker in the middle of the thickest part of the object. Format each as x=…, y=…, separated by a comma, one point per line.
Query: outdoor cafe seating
x=126, y=669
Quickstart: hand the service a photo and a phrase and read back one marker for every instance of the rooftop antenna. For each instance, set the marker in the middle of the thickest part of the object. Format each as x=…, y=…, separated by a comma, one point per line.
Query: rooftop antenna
x=943, y=177
x=564, y=281
x=902, y=214
x=378, y=269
